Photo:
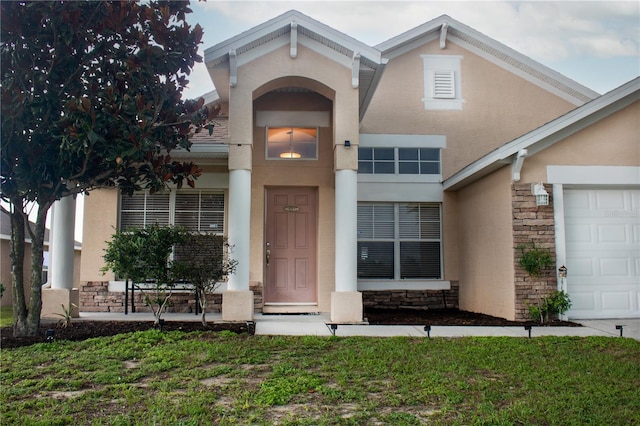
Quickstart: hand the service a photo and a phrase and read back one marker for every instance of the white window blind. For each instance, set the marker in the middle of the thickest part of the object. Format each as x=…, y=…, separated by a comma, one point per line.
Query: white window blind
x=144, y=209
x=399, y=241
x=198, y=211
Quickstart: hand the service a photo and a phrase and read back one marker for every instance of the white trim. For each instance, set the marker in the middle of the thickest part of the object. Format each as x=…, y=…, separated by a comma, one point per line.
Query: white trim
x=593, y=175
x=390, y=140
x=444, y=65
x=374, y=285
x=293, y=119
x=408, y=192
x=293, y=50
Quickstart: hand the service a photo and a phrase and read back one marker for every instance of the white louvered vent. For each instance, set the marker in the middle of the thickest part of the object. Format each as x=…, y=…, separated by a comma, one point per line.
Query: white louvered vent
x=444, y=85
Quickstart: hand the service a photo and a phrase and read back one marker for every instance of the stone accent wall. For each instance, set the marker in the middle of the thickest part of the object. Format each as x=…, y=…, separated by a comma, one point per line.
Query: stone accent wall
x=531, y=224
x=411, y=299
x=96, y=297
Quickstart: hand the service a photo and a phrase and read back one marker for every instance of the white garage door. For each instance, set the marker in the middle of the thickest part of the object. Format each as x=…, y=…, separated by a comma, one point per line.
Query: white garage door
x=602, y=231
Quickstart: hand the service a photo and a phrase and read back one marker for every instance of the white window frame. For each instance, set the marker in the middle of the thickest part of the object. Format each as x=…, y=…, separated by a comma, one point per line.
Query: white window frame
x=402, y=141
x=442, y=82
x=397, y=281
x=266, y=143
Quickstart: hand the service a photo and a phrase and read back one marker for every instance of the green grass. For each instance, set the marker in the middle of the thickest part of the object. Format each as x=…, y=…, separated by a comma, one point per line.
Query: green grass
x=6, y=316
x=204, y=378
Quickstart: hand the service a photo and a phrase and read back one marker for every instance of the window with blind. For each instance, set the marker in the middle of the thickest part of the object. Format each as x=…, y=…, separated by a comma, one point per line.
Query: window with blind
x=399, y=161
x=399, y=241
x=198, y=211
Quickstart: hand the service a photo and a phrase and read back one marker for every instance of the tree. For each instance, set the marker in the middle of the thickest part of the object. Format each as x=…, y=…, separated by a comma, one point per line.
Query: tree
x=142, y=255
x=203, y=261
x=91, y=97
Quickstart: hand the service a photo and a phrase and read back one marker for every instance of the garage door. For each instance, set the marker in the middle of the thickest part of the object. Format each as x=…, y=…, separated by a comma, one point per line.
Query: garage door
x=602, y=231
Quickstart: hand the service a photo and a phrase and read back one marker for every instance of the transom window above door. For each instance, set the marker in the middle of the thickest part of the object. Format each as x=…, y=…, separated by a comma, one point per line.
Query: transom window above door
x=291, y=143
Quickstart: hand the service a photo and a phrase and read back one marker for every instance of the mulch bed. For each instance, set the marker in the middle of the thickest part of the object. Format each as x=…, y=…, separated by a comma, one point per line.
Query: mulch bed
x=82, y=330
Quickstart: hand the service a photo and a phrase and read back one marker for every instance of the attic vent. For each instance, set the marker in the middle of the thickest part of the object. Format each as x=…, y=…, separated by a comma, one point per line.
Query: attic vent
x=443, y=85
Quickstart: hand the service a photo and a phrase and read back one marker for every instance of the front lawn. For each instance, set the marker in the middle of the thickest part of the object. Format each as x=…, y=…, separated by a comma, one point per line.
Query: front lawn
x=198, y=378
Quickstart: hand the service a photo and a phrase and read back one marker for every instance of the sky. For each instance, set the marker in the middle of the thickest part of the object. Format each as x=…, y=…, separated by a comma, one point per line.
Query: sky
x=595, y=43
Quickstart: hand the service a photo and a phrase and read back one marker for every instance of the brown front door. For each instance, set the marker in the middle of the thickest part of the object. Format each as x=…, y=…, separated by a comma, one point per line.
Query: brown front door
x=290, y=246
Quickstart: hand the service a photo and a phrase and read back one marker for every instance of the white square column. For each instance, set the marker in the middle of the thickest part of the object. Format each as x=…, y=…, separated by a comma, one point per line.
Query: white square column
x=237, y=301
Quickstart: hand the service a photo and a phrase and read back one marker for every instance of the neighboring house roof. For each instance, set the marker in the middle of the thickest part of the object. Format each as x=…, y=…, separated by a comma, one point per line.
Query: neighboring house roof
x=5, y=231
x=369, y=62
x=548, y=134
x=446, y=28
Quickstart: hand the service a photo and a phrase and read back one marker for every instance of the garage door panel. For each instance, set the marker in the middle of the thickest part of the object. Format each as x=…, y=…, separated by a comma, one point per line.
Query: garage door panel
x=610, y=199
x=613, y=234
x=583, y=301
x=616, y=300
x=615, y=267
x=602, y=231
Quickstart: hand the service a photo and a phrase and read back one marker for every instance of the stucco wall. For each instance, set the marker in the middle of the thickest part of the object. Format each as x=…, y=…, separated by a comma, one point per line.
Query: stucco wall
x=329, y=79
x=612, y=141
x=100, y=223
x=486, y=246
x=498, y=105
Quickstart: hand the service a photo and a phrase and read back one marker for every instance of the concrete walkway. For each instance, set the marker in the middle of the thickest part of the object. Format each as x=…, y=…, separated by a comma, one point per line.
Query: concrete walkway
x=319, y=325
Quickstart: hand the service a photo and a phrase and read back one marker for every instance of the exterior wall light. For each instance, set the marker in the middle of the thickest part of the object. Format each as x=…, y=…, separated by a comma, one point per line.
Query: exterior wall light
x=562, y=271
x=542, y=197
x=347, y=144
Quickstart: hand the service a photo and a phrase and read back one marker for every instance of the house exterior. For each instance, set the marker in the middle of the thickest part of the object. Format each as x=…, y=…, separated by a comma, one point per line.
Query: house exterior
x=398, y=175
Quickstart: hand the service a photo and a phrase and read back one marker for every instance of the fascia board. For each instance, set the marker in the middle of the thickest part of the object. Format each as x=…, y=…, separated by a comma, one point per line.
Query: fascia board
x=410, y=36
x=548, y=134
x=220, y=50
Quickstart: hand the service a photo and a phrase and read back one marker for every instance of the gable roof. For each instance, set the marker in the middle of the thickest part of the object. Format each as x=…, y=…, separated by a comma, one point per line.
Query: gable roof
x=490, y=50
x=344, y=49
x=548, y=134
x=321, y=38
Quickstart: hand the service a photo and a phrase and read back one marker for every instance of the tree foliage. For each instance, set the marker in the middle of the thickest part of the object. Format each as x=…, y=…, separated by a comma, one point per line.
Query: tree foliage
x=143, y=256
x=203, y=260
x=91, y=97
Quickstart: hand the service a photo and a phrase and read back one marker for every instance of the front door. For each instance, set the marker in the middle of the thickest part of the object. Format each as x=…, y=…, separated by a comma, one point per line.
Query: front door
x=290, y=246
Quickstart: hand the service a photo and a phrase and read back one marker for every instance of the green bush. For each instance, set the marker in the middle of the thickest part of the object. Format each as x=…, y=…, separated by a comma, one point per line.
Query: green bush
x=557, y=303
x=535, y=260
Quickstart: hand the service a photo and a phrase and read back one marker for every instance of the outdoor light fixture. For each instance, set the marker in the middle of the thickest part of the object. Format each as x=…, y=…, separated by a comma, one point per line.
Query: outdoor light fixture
x=620, y=327
x=333, y=328
x=528, y=328
x=542, y=196
x=49, y=334
x=427, y=328
x=562, y=271
x=347, y=144
x=291, y=153
x=251, y=328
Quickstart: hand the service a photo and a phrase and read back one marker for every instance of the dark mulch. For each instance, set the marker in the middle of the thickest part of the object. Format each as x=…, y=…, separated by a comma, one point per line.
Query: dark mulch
x=82, y=330
x=447, y=317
